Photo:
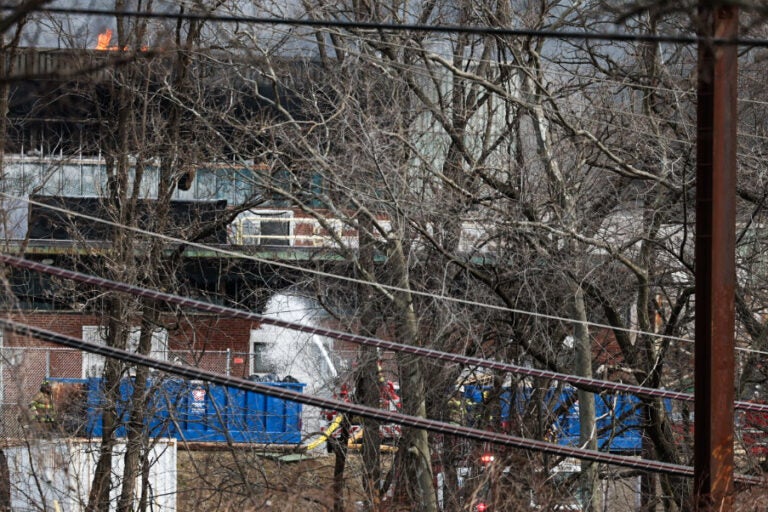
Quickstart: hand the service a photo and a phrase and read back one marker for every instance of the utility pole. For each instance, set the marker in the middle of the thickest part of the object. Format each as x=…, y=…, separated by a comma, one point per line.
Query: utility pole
x=715, y=258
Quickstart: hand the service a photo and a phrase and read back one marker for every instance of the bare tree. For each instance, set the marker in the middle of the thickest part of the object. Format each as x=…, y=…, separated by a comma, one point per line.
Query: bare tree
x=549, y=180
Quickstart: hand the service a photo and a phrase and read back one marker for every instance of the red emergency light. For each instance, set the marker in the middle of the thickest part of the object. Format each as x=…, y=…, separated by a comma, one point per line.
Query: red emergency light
x=486, y=459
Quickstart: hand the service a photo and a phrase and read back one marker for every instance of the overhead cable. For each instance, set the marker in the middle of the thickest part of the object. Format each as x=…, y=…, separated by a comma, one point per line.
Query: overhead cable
x=402, y=27
x=498, y=438
x=596, y=385
x=320, y=273
x=250, y=257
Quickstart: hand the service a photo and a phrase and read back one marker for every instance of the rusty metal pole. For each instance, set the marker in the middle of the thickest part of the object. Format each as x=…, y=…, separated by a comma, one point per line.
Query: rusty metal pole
x=715, y=260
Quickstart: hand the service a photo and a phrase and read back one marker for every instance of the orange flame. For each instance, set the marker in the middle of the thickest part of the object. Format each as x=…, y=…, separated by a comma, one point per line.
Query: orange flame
x=104, y=39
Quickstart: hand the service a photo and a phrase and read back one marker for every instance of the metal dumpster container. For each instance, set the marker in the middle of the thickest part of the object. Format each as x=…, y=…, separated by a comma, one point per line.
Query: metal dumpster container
x=618, y=425
x=196, y=411
x=219, y=413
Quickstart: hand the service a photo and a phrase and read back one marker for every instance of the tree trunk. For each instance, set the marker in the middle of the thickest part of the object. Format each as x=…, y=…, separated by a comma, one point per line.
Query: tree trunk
x=137, y=436
x=415, y=451
x=589, y=480
x=5, y=484
x=367, y=391
x=117, y=336
x=340, y=451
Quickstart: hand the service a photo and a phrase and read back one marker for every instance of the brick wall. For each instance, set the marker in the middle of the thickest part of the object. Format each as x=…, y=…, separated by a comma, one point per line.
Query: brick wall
x=195, y=339
x=193, y=332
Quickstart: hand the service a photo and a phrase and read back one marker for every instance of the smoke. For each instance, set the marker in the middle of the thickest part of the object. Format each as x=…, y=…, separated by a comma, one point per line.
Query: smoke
x=305, y=357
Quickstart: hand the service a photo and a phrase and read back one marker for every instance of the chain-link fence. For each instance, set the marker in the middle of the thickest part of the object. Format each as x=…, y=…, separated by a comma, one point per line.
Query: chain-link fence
x=22, y=369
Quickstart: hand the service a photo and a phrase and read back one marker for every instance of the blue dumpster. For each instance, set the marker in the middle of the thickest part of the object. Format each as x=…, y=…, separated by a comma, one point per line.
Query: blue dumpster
x=218, y=413
x=619, y=424
x=201, y=412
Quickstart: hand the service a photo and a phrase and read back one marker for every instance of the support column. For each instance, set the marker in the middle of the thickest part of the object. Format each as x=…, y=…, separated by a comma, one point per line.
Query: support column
x=715, y=260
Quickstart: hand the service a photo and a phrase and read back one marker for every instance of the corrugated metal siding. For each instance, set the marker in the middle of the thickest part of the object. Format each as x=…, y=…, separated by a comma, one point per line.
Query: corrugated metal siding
x=206, y=412
x=59, y=471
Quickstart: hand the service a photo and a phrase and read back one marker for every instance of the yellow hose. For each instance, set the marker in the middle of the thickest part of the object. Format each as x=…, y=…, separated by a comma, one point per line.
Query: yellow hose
x=354, y=440
x=326, y=434
x=382, y=448
x=356, y=443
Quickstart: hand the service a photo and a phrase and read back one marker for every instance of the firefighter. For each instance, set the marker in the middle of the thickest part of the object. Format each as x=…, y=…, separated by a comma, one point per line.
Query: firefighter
x=457, y=407
x=41, y=406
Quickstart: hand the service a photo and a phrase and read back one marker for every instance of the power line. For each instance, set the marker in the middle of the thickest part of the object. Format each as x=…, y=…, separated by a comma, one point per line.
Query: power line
x=353, y=280
x=288, y=21
x=240, y=255
x=582, y=382
x=690, y=92
x=405, y=27
x=362, y=36
x=456, y=300
x=546, y=71
x=570, y=74
x=359, y=410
